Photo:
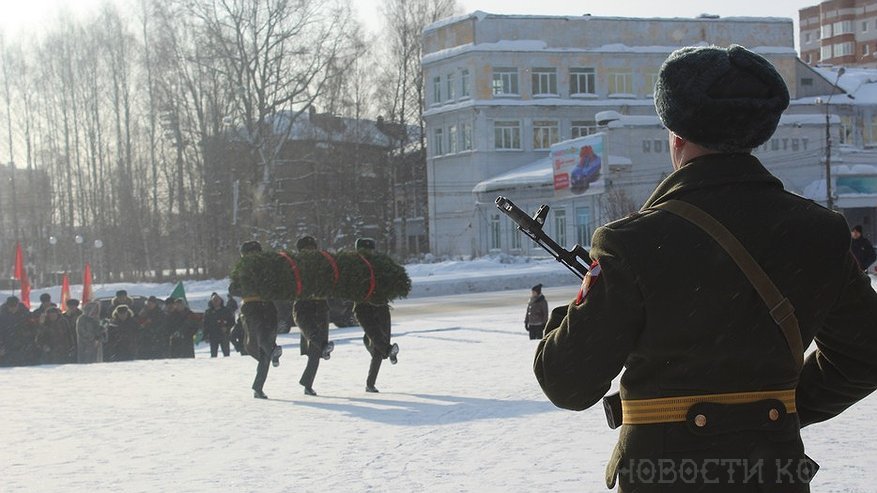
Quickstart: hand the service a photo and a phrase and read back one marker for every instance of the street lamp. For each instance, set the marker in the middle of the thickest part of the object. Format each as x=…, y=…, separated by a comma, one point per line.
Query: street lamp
x=828, y=196
x=79, y=240
x=53, y=241
x=98, y=244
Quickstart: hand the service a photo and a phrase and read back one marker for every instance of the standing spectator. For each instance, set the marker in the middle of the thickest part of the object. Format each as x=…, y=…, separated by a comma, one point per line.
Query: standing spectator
x=13, y=315
x=537, y=313
x=312, y=318
x=232, y=304
x=122, y=298
x=374, y=317
x=153, y=339
x=122, y=331
x=73, y=312
x=182, y=326
x=862, y=249
x=218, y=320
x=90, y=335
x=53, y=338
x=45, y=304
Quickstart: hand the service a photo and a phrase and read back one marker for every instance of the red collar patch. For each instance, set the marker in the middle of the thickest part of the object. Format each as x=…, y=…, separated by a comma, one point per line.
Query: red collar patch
x=590, y=279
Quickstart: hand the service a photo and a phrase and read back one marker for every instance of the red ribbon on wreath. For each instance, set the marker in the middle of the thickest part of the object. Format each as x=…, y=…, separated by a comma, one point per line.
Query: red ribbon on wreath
x=371, y=279
x=335, y=273
x=295, y=272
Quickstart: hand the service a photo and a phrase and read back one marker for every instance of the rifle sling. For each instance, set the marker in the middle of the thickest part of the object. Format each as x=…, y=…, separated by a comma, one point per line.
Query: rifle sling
x=781, y=309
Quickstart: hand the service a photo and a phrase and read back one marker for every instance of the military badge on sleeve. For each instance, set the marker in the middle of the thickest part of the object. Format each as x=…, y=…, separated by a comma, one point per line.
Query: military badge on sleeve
x=590, y=279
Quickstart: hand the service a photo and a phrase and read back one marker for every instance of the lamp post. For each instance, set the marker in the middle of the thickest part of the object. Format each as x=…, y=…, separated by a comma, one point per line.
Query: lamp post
x=98, y=244
x=79, y=240
x=53, y=241
x=829, y=200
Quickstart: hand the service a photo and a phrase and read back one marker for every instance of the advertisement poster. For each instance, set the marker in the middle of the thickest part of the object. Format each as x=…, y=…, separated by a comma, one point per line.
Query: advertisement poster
x=579, y=165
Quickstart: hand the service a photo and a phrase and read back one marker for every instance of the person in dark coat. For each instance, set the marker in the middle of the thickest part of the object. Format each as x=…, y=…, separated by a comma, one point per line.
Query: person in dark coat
x=862, y=249
x=90, y=335
x=154, y=338
x=182, y=325
x=374, y=318
x=217, y=324
x=715, y=378
x=73, y=312
x=259, y=320
x=122, y=334
x=231, y=304
x=14, y=318
x=537, y=313
x=54, y=339
x=45, y=304
x=312, y=318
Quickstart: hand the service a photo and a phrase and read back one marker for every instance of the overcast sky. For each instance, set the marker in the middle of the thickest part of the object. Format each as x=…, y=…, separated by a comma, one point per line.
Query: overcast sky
x=19, y=17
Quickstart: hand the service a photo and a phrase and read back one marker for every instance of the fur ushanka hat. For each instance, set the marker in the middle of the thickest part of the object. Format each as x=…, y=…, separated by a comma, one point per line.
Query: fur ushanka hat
x=723, y=99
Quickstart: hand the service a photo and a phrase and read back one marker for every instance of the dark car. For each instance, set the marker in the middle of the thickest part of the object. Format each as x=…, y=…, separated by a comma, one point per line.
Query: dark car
x=340, y=314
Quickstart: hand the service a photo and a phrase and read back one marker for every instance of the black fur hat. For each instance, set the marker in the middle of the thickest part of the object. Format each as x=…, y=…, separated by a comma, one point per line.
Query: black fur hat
x=365, y=244
x=306, y=243
x=726, y=100
x=251, y=247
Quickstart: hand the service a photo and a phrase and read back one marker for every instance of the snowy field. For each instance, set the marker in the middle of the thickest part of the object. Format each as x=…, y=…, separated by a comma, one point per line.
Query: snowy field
x=460, y=412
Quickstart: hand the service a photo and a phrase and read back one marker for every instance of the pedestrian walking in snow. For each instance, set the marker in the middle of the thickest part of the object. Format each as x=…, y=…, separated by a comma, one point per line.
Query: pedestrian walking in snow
x=374, y=318
x=259, y=319
x=217, y=323
x=312, y=318
x=862, y=249
x=13, y=316
x=90, y=335
x=537, y=313
x=708, y=297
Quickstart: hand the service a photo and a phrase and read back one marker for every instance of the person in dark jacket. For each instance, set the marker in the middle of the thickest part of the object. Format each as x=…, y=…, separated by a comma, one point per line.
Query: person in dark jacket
x=14, y=319
x=54, y=339
x=73, y=312
x=182, y=326
x=90, y=335
x=122, y=334
x=259, y=320
x=312, y=318
x=154, y=339
x=715, y=378
x=45, y=304
x=862, y=249
x=217, y=324
x=537, y=313
x=374, y=318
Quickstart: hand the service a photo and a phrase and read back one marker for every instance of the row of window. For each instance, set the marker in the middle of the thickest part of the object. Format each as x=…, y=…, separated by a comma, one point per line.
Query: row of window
x=506, y=135
x=584, y=227
x=543, y=82
x=838, y=49
x=838, y=28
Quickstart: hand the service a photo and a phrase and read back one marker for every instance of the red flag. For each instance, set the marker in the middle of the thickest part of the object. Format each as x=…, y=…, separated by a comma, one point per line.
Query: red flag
x=86, y=284
x=65, y=292
x=21, y=275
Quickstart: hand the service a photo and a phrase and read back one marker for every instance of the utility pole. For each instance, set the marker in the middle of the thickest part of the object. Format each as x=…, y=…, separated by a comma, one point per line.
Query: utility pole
x=829, y=199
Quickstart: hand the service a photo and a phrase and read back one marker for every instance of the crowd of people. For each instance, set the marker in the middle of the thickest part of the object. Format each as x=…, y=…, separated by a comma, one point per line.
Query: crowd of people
x=114, y=331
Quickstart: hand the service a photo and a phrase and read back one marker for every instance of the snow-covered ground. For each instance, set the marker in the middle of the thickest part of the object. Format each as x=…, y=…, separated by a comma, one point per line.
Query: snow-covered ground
x=460, y=412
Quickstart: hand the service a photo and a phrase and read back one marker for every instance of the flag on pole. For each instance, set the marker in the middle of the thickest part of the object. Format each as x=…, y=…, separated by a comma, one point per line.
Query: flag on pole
x=86, y=284
x=65, y=292
x=21, y=275
x=179, y=292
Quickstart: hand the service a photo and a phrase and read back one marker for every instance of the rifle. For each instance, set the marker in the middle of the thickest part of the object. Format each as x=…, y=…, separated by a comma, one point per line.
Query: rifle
x=577, y=260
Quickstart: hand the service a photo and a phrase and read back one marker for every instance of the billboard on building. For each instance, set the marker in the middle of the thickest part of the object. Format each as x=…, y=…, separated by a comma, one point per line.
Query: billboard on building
x=579, y=166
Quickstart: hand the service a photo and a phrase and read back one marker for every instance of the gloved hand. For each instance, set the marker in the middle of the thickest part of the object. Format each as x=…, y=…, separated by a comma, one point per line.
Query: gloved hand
x=557, y=316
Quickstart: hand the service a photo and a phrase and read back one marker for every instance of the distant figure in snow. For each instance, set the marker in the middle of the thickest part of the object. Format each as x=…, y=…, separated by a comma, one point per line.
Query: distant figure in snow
x=862, y=249
x=218, y=321
x=537, y=313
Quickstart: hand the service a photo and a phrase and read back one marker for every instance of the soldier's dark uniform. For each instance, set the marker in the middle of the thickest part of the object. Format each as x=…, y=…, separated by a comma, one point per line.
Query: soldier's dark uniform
x=671, y=307
x=312, y=318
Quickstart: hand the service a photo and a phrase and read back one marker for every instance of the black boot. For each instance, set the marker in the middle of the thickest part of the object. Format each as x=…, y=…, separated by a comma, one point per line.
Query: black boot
x=327, y=349
x=258, y=394
x=394, y=350
x=275, y=355
x=310, y=391
x=371, y=389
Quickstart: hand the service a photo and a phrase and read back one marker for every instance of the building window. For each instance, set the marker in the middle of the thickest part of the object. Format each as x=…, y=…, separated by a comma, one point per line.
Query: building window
x=545, y=81
x=825, y=54
x=452, y=139
x=806, y=82
x=505, y=81
x=871, y=135
x=652, y=79
x=466, y=133
x=495, y=236
x=826, y=31
x=844, y=49
x=545, y=134
x=560, y=226
x=620, y=83
x=437, y=145
x=464, y=84
x=582, y=128
x=452, y=90
x=507, y=135
x=581, y=81
x=583, y=226
x=515, y=242
x=437, y=90
x=843, y=27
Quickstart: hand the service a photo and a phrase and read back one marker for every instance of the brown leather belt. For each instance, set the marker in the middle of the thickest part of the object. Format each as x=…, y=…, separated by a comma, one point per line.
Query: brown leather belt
x=251, y=298
x=675, y=409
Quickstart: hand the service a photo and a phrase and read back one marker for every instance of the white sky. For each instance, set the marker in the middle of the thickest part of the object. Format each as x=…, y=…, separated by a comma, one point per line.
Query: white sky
x=20, y=17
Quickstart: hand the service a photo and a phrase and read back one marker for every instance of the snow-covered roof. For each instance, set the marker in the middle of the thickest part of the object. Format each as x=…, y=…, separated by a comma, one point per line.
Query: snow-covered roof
x=860, y=83
x=536, y=175
x=328, y=128
x=539, y=46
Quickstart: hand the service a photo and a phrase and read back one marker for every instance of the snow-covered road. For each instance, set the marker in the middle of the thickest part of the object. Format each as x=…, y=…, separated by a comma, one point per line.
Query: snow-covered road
x=460, y=412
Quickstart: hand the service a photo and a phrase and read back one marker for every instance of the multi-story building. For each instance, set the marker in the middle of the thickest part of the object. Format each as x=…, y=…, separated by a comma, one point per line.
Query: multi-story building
x=501, y=89
x=839, y=32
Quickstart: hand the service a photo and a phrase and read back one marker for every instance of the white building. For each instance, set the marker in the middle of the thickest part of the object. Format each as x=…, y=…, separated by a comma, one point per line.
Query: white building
x=501, y=89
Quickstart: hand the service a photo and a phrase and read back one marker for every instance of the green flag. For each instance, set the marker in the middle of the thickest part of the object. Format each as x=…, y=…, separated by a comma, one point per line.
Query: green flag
x=179, y=292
